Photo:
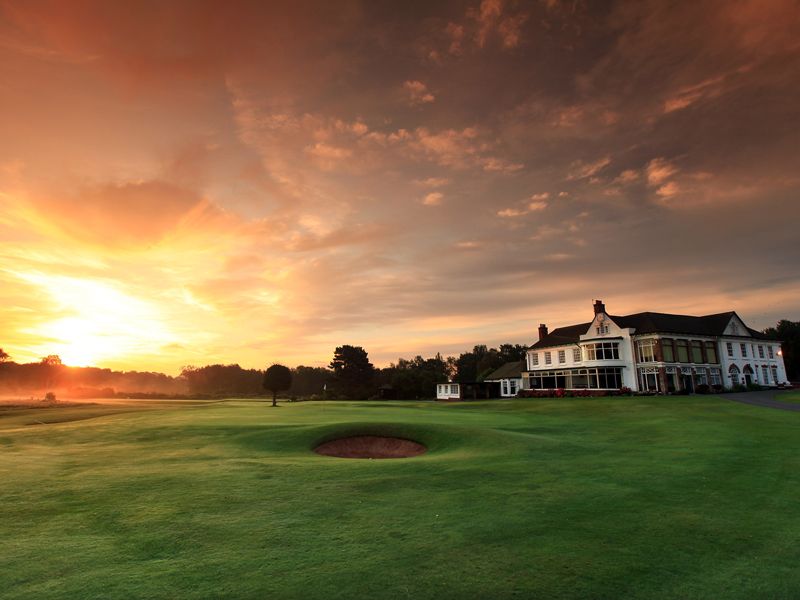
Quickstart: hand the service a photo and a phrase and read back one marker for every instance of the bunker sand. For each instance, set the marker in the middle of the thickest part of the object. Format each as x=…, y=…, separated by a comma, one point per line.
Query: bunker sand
x=371, y=446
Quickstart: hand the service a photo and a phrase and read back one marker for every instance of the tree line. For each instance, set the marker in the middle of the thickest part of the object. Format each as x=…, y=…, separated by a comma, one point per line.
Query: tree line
x=350, y=374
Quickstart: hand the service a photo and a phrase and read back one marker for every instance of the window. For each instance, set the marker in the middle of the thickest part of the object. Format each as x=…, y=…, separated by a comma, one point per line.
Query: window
x=711, y=352
x=697, y=351
x=646, y=351
x=700, y=377
x=596, y=378
x=454, y=389
x=668, y=350
x=774, y=370
x=512, y=387
x=734, y=374
x=547, y=358
x=602, y=351
x=648, y=379
x=534, y=359
x=760, y=351
x=764, y=373
x=576, y=355
x=683, y=351
x=504, y=387
x=730, y=349
x=715, y=377
x=602, y=329
x=562, y=356
x=744, y=350
x=609, y=378
x=771, y=352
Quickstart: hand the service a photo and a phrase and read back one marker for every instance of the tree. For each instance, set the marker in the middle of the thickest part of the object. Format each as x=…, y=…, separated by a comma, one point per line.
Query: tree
x=353, y=374
x=4, y=356
x=277, y=379
x=416, y=378
x=475, y=365
x=788, y=332
x=223, y=380
x=309, y=381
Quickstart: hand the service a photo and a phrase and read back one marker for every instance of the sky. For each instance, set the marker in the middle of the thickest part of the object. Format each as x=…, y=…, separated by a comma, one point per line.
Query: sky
x=248, y=182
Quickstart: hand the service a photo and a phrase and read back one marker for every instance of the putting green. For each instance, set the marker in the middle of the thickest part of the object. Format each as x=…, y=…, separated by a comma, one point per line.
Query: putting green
x=574, y=498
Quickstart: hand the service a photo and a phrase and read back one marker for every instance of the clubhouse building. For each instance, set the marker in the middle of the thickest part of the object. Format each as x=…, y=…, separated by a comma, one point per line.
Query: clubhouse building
x=654, y=352
x=645, y=352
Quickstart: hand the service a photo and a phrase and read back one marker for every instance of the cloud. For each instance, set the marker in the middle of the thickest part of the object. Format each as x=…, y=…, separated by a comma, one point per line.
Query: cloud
x=659, y=170
x=512, y=212
x=581, y=170
x=668, y=189
x=627, y=176
x=433, y=199
x=501, y=165
x=537, y=203
x=490, y=21
x=133, y=214
x=432, y=182
x=455, y=33
x=418, y=93
x=254, y=164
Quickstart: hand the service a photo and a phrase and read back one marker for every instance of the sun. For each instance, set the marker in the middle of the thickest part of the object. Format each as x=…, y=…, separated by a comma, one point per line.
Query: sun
x=97, y=322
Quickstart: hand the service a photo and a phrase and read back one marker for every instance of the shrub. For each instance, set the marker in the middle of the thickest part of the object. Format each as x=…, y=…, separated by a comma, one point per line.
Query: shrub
x=702, y=389
x=50, y=397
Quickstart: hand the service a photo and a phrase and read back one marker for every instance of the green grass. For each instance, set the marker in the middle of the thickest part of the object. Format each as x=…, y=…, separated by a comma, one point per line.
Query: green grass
x=577, y=498
x=788, y=396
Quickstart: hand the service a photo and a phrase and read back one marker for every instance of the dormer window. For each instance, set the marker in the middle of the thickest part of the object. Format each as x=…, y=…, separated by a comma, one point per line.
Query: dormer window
x=602, y=329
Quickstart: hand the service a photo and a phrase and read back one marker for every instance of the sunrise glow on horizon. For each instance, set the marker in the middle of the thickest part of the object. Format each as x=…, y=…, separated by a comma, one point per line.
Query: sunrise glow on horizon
x=205, y=182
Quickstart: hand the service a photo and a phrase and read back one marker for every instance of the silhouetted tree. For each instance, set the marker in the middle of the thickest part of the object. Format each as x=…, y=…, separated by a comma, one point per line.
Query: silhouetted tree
x=475, y=365
x=353, y=374
x=788, y=332
x=416, y=378
x=4, y=356
x=223, y=380
x=51, y=369
x=277, y=378
x=309, y=381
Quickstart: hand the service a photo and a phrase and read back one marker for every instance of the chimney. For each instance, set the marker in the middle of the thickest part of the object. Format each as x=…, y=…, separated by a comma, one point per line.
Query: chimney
x=542, y=331
x=599, y=307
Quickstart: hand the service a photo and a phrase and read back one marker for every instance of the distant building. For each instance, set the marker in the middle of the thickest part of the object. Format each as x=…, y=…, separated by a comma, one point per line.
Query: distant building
x=509, y=376
x=472, y=390
x=655, y=352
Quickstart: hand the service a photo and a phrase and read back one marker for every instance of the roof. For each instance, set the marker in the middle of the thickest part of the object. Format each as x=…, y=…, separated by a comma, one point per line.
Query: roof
x=510, y=370
x=650, y=322
x=563, y=336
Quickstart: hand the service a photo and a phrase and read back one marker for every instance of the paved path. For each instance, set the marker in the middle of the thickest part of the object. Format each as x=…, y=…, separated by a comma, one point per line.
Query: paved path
x=764, y=398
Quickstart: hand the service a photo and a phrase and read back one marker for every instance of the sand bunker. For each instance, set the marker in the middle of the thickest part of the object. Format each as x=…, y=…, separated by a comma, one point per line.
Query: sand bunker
x=371, y=446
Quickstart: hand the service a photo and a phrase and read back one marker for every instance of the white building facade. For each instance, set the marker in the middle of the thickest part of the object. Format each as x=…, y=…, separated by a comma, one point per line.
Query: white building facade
x=657, y=352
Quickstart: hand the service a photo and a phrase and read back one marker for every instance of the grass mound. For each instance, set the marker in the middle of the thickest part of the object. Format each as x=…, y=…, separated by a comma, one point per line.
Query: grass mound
x=371, y=446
